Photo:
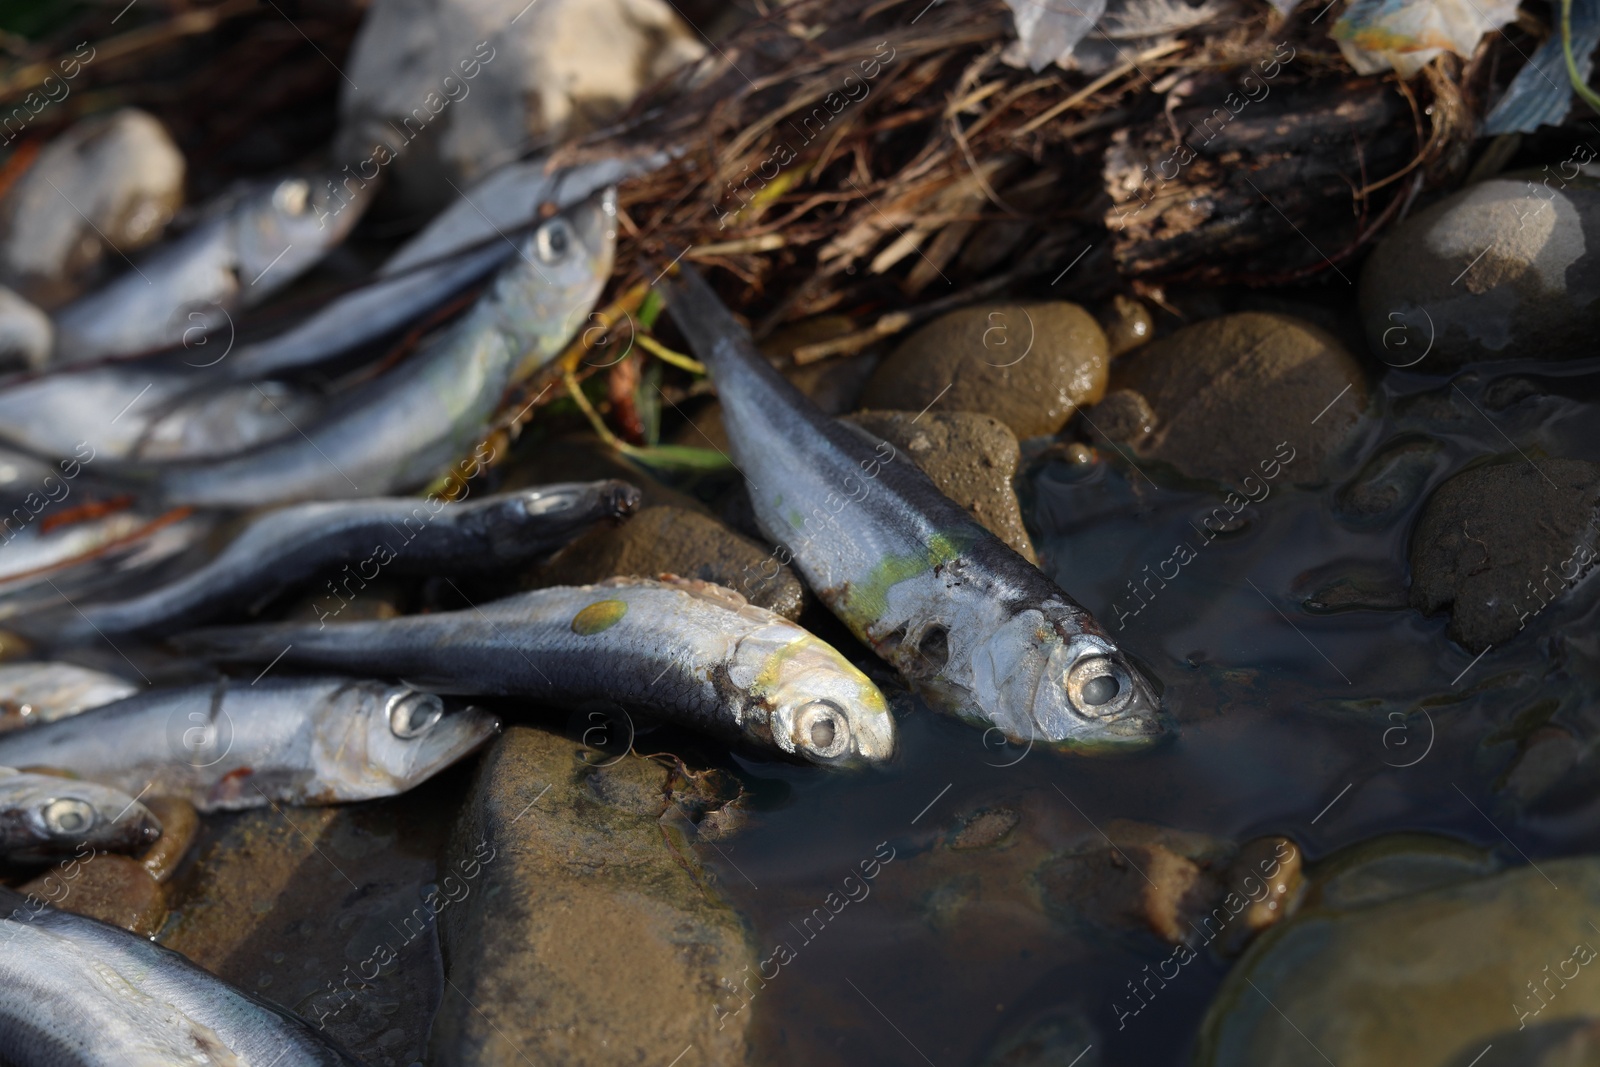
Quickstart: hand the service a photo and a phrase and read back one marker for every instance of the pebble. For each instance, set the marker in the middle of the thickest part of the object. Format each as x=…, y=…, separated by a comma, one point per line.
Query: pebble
x=1499, y=270
x=1391, y=481
x=1495, y=543
x=1127, y=324
x=1029, y=366
x=109, y=185
x=985, y=828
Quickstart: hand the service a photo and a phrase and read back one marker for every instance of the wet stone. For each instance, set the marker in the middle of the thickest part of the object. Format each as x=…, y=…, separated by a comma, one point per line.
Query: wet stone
x=672, y=540
x=594, y=937
x=1391, y=481
x=1238, y=396
x=1500, y=270
x=180, y=825
x=1030, y=366
x=1496, y=543
x=1545, y=760
x=114, y=889
x=972, y=458
x=984, y=829
x=1059, y=1036
x=1127, y=324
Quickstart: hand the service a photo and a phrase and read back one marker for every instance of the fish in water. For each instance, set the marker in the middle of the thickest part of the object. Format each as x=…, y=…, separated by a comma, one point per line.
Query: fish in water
x=981, y=630
x=400, y=430
x=75, y=992
x=250, y=243
x=239, y=745
x=688, y=652
x=43, y=815
x=397, y=535
x=44, y=692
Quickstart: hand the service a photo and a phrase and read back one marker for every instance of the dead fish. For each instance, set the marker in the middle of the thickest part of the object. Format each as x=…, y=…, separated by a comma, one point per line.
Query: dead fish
x=278, y=740
x=248, y=245
x=44, y=692
x=687, y=652
x=75, y=992
x=912, y=574
x=43, y=815
x=393, y=535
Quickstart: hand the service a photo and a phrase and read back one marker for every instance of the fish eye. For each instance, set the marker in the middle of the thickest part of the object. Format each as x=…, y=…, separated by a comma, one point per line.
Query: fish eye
x=821, y=729
x=554, y=239
x=69, y=815
x=1098, y=685
x=544, y=502
x=290, y=196
x=412, y=714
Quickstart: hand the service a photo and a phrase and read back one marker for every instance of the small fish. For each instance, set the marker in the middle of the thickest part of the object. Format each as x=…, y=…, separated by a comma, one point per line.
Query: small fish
x=689, y=652
x=278, y=740
x=912, y=574
x=44, y=692
x=42, y=815
x=249, y=244
x=396, y=535
x=402, y=429
x=75, y=992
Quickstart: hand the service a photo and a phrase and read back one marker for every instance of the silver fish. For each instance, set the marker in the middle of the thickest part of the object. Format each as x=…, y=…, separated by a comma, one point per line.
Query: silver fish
x=75, y=992
x=402, y=429
x=392, y=535
x=239, y=745
x=44, y=692
x=249, y=245
x=44, y=815
x=912, y=574
x=687, y=651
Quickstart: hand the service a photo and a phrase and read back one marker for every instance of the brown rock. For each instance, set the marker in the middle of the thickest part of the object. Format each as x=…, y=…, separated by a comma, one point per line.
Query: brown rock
x=671, y=540
x=972, y=458
x=1127, y=324
x=180, y=824
x=1029, y=366
x=983, y=829
x=114, y=889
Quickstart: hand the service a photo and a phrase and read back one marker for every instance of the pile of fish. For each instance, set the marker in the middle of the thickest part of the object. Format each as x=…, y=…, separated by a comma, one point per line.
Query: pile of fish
x=168, y=493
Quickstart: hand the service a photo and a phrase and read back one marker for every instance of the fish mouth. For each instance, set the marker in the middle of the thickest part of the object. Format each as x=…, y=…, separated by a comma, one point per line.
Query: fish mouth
x=596, y=220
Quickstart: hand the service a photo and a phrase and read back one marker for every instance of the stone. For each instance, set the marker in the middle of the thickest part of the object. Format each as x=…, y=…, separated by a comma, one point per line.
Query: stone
x=180, y=825
x=1496, y=543
x=591, y=939
x=114, y=889
x=109, y=185
x=1127, y=324
x=985, y=829
x=1235, y=395
x=1030, y=366
x=1429, y=978
x=672, y=540
x=451, y=89
x=1391, y=481
x=972, y=458
x=1391, y=867
x=1499, y=270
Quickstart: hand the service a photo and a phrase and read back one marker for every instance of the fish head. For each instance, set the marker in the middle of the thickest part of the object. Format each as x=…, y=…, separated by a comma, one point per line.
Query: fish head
x=293, y=221
x=58, y=815
x=822, y=707
x=1048, y=678
x=527, y=522
x=547, y=293
x=372, y=740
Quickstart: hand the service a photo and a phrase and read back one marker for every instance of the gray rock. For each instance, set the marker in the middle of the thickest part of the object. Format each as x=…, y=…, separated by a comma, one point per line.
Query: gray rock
x=109, y=184
x=972, y=458
x=1430, y=979
x=458, y=87
x=1235, y=394
x=588, y=939
x=1391, y=481
x=1499, y=270
x=1495, y=543
x=1029, y=366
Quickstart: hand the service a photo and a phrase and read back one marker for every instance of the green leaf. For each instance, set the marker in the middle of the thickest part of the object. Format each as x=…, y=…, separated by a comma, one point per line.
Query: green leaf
x=650, y=311
x=678, y=457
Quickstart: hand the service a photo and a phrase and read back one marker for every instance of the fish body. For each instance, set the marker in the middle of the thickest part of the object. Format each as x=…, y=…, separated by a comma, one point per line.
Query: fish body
x=75, y=992
x=909, y=571
x=43, y=815
x=239, y=745
x=252, y=243
x=398, y=535
x=689, y=652
x=44, y=692
x=401, y=430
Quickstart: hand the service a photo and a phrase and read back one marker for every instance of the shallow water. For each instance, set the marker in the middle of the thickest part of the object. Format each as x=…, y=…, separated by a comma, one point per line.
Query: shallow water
x=1327, y=728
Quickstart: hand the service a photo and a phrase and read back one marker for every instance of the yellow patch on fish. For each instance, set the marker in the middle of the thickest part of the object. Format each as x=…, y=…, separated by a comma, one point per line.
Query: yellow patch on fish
x=601, y=615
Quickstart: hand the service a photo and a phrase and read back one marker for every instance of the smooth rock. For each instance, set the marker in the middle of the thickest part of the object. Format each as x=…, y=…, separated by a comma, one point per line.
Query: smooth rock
x=109, y=185
x=1429, y=979
x=1390, y=482
x=1500, y=270
x=1233, y=395
x=1061, y=1036
x=972, y=458
x=1496, y=543
x=1029, y=366
x=114, y=889
x=1393, y=866
x=590, y=940
x=1127, y=324
x=672, y=540
x=457, y=87
x=985, y=828
x=180, y=825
